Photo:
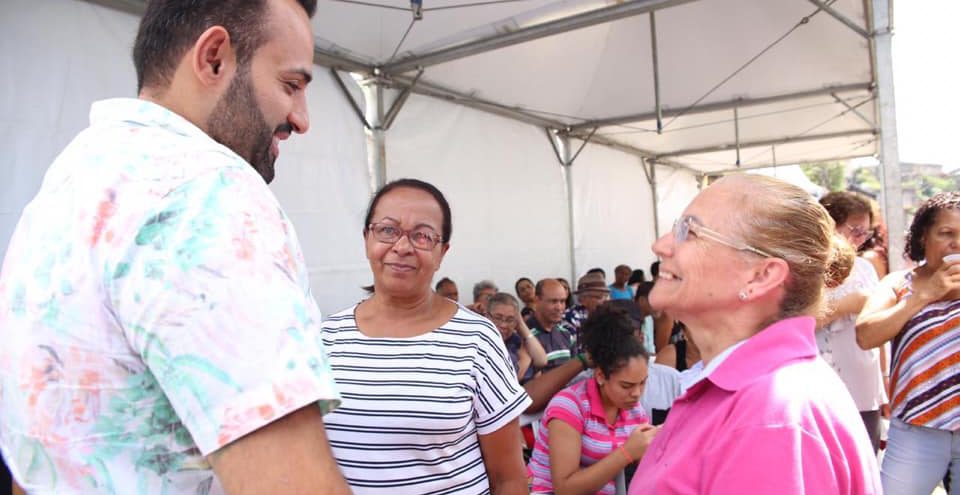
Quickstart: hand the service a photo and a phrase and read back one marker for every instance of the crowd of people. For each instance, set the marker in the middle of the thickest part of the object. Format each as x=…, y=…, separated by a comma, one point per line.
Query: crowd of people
x=160, y=335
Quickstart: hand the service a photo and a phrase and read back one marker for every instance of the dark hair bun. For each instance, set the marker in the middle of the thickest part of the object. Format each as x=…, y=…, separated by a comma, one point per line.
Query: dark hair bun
x=608, y=335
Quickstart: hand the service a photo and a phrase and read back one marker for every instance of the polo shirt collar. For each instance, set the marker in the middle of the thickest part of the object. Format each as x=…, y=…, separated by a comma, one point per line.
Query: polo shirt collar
x=782, y=342
x=596, y=403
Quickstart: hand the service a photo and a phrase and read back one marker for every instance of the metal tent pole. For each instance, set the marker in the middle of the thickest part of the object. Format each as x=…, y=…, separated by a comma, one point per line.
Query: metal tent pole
x=564, y=151
x=375, y=133
x=892, y=195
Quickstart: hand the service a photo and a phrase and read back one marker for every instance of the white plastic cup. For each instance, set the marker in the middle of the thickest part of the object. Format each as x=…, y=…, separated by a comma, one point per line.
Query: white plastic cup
x=951, y=258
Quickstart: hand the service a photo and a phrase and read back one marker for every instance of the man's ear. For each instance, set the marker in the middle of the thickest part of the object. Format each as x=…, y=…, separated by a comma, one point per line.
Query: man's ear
x=213, y=58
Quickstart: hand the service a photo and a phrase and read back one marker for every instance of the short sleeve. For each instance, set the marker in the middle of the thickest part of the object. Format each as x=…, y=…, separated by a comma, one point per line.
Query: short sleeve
x=564, y=407
x=214, y=296
x=498, y=397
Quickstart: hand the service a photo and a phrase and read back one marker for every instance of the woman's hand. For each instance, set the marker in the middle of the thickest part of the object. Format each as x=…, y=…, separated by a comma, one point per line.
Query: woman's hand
x=940, y=285
x=640, y=438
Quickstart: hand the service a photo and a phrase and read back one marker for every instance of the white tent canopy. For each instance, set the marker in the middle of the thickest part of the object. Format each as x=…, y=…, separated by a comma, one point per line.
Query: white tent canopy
x=506, y=89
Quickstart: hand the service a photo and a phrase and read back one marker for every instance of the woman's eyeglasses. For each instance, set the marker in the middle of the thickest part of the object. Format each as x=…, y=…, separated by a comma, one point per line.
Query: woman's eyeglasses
x=423, y=238
x=688, y=223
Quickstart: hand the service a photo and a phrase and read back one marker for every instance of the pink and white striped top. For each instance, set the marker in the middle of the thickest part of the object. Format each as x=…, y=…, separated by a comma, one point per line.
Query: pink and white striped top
x=579, y=405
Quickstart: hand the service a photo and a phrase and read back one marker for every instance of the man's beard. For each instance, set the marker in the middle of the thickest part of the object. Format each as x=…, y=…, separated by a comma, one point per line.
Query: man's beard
x=238, y=123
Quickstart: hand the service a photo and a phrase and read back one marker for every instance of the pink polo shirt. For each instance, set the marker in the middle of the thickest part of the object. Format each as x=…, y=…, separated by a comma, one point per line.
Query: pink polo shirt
x=772, y=418
x=580, y=406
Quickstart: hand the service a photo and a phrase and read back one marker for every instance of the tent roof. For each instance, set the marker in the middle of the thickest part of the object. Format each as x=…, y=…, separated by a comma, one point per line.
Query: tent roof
x=737, y=83
x=784, y=82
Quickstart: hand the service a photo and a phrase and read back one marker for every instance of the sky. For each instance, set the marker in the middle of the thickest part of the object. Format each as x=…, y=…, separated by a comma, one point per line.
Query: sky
x=926, y=72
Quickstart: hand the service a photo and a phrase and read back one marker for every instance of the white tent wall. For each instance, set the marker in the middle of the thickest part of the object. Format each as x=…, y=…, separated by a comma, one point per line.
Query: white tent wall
x=55, y=59
x=613, y=211
x=675, y=189
x=504, y=185
x=51, y=80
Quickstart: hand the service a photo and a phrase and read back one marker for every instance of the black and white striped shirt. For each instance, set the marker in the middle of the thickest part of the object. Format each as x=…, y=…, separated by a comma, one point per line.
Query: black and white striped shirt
x=413, y=407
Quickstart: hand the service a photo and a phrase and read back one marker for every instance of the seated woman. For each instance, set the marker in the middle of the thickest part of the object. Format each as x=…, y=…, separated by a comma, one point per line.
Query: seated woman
x=526, y=352
x=744, y=269
x=592, y=430
x=430, y=401
x=919, y=310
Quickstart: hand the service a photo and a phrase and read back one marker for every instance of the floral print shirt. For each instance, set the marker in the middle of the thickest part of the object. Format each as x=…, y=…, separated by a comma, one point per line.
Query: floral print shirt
x=154, y=307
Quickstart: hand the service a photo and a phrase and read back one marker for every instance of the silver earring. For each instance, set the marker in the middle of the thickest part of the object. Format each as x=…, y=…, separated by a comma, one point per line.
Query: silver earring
x=743, y=295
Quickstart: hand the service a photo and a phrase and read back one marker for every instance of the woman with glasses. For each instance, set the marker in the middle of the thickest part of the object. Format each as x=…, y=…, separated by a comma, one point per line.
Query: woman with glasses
x=744, y=269
x=860, y=369
x=526, y=352
x=919, y=311
x=430, y=401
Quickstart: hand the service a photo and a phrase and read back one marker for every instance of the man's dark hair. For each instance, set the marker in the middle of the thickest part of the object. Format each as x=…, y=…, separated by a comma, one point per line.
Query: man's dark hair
x=447, y=225
x=170, y=27
x=444, y=280
x=598, y=270
x=608, y=336
x=844, y=204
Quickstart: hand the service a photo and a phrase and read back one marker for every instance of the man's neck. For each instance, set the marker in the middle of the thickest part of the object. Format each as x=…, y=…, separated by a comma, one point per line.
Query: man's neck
x=546, y=326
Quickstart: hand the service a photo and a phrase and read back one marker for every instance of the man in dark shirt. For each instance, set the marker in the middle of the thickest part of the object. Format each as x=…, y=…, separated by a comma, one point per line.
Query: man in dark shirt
x=547, y=324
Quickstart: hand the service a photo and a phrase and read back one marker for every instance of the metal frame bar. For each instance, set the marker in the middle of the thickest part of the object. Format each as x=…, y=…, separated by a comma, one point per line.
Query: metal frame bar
x=724, y=105
x=561, y=146
x=654, y=194
x=340, y=61
x=434, y=90
x=881, y=23
x=771, y=164
x=842, y=18
x=853, y=109
x=656, y=71
x=135, y=7
x=398, y=103
x=353, y=104
x=767, y=142
x=736, y=131
x=501, y=40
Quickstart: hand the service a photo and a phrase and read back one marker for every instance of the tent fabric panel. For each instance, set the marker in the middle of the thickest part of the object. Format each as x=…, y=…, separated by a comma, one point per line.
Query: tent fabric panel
x=321, y=177
x=604, y=69
x=613, y=211
x=504, y=185
x=675, y=189
x=374, y=32
x=550, y=74
x=323, y=184
x=716, y=37
x=796, y=118
x=786, y=153
x=47, y=104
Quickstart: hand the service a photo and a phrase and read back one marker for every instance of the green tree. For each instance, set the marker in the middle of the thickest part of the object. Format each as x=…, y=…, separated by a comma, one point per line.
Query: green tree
x=829, y=175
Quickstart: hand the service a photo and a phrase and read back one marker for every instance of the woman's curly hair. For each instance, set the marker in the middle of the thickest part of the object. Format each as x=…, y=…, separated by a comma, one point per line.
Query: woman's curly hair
x=923, y=220
x=608, y=336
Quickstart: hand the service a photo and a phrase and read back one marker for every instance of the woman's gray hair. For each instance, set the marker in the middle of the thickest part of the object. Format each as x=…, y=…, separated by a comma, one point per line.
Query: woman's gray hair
x=502, y=298
x=481, y=286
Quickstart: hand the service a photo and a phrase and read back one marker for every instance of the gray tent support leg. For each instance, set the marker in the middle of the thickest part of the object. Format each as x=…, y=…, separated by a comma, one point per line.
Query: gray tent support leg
x=562, y=147
x=655, y=58
x=375, y=133
x=892, y=196
x=650, y=170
